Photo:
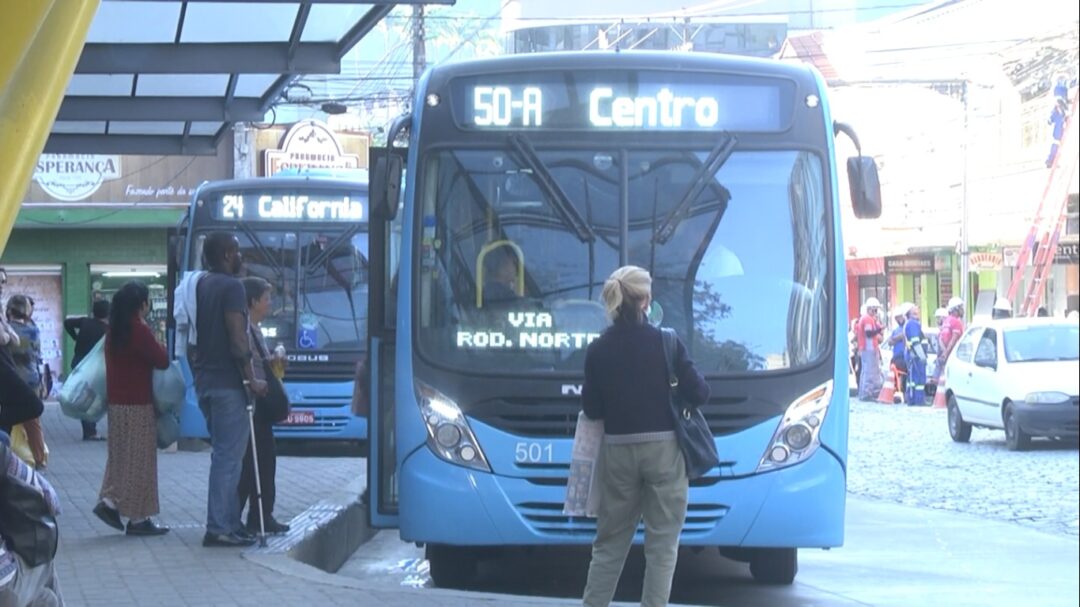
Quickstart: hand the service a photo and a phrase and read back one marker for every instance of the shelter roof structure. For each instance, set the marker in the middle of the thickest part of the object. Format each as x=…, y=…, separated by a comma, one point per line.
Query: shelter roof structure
x=167, y=77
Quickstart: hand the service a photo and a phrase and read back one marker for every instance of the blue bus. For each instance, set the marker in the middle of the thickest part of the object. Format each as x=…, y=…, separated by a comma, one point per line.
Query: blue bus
x=715, y=173
x=308, y=236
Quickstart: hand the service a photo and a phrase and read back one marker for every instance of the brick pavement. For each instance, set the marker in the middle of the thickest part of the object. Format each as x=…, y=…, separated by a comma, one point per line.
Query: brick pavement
x=99, y=566
x=904, y=455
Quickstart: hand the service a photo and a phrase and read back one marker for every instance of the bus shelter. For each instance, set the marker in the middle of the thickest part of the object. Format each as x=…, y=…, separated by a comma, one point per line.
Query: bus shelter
x=156, y=76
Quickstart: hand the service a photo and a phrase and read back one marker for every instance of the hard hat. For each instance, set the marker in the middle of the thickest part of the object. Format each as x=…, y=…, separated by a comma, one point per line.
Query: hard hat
x=902, y=309
x=1073, y=315
x=872, y=303
x=956, y=302
x=941, y=313
x=1002, y=304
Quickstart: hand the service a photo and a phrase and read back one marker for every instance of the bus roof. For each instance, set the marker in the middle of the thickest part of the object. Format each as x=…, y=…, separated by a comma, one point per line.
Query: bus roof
x=630, y=60
x=283, y=182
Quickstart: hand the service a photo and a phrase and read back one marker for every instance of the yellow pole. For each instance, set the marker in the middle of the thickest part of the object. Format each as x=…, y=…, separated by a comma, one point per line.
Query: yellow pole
x=32, y=95
x=17, y=31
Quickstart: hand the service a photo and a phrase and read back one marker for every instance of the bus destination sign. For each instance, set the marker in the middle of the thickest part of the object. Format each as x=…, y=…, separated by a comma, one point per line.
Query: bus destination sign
x=622, y=101
x=315, y=207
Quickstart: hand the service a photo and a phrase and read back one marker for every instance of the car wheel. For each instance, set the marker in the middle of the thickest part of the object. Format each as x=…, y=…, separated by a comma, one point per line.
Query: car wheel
x=1015, y=438
x=959, y=430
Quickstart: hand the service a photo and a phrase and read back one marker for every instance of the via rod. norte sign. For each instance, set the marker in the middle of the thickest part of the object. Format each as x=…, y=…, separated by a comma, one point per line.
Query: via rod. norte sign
x=309, y=144
x=72, y=177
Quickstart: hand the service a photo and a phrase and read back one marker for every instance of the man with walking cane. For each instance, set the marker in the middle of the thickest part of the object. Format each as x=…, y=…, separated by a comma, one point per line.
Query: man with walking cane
x=225, y=383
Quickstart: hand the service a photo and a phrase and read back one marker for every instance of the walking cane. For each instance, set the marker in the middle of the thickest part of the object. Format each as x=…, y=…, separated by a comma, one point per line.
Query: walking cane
x=255, y=461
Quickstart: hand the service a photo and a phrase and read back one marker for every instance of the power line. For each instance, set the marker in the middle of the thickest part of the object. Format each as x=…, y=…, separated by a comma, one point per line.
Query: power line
x=653, y=19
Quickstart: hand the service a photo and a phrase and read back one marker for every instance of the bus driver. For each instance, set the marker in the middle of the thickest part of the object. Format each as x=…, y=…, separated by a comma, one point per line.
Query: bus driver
x=501, y=275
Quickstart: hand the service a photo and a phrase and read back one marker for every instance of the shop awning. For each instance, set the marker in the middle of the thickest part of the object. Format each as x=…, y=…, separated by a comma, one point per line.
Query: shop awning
x=872, y=266
x=167, y=77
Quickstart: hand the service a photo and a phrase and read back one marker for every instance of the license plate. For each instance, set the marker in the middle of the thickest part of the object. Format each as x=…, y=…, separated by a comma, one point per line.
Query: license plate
x=300, y=418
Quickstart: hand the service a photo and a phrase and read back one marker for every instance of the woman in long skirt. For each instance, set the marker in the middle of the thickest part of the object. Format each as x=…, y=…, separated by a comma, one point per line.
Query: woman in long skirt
x=130, y=486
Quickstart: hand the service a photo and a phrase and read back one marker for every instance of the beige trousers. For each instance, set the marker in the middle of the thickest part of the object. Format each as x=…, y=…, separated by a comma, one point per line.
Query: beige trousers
x=638, y=480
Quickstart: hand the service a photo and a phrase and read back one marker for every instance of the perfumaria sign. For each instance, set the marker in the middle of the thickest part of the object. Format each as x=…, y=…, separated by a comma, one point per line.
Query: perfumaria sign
x=71, y=177
x=310, y=144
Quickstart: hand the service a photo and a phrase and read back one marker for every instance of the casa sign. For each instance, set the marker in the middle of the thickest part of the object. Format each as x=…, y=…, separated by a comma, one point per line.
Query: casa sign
x=309, y=144
x=72, y=177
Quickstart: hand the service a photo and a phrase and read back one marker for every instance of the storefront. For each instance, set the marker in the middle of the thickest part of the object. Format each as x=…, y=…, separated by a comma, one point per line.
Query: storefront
x=865, y=279
x=1062, y=290
x=912, y=278
x=43, y=284
x=89, y=223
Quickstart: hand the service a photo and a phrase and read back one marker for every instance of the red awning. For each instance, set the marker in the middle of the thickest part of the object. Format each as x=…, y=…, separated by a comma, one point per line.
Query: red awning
x=872, y=266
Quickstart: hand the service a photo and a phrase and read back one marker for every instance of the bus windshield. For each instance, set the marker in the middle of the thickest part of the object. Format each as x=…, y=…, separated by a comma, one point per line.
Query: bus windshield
x=320, y=281
x=510, y=279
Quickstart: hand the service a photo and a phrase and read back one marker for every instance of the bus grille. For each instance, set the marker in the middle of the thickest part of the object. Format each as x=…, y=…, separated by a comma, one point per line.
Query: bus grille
x=547, y=518
x=557, y=418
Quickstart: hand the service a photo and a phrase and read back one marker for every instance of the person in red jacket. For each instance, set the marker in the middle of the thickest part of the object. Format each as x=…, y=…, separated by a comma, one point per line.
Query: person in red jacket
x=868, y=334
x=130, y=486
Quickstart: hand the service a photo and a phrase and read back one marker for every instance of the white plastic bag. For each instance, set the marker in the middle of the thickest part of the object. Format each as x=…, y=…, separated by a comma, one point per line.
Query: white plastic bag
x=169, y=389
x=83, y=394
x=583, y=487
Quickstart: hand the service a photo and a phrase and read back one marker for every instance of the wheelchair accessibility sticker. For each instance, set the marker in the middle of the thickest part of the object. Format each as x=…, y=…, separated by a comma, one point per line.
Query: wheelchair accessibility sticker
x=307, y=338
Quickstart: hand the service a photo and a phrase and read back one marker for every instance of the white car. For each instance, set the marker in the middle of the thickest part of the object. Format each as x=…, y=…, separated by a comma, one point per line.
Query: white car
x=1021, y=375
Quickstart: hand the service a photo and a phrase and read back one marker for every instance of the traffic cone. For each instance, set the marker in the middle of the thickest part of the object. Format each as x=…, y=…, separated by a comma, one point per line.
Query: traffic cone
x=940, y=402
x=888, y=388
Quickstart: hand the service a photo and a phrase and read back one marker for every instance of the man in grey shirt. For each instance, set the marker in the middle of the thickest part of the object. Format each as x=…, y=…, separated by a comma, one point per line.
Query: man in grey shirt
x=224, y=382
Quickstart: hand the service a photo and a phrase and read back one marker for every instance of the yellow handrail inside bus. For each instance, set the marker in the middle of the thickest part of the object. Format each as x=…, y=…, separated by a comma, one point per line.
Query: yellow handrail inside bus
x=519, y=283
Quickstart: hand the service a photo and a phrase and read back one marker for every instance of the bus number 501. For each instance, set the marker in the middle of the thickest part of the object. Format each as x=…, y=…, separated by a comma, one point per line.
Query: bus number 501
x=533, y=453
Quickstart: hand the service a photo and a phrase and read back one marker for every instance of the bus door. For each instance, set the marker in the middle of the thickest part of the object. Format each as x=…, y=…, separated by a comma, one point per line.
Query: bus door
x=176, y=242
x=384, y=192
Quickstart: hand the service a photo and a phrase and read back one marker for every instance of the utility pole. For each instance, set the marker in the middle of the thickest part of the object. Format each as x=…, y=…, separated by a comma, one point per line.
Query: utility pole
x=419, y=48
x=965, y=269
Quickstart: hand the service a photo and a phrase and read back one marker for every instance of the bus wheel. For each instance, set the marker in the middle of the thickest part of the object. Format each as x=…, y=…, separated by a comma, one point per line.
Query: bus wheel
x=451, y=566
x=776, y=566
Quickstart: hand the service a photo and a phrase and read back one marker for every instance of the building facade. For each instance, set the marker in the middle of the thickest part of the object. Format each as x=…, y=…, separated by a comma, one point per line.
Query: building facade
x=91, y=222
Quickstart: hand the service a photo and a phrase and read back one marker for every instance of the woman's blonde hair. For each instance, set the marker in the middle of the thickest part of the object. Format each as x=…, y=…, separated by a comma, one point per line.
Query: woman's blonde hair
x=625, y=290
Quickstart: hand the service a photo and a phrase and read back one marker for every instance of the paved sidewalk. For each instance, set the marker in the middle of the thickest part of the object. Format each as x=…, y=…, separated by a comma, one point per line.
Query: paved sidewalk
x=100, y=566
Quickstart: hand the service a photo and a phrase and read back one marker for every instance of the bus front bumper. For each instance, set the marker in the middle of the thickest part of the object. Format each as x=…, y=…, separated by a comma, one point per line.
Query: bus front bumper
x=442, y=503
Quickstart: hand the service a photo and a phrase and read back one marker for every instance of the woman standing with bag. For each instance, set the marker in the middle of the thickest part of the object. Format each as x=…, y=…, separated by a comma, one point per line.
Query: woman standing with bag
x=130, y=486
x=18, y=402
x=26, y=354
x=268, y=411
x=642, y=469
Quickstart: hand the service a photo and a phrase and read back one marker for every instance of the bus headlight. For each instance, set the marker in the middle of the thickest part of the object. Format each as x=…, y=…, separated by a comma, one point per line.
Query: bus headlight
x=449, y=434
x=797, y=436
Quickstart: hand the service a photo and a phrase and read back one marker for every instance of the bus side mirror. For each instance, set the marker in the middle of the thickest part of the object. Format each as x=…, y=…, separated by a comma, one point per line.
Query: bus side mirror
x=863, y=179
x=384, y=189
x=865, y=187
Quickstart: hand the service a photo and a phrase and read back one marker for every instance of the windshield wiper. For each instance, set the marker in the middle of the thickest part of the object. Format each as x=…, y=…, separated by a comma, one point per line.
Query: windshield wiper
x=329, y=249
x=559, y=199
x=271, y=259
x=716, y=159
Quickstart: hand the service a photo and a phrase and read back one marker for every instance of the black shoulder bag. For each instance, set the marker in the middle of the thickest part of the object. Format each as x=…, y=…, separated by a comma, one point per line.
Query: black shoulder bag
x=691, y=429
x=26, y=522
x=274, y=407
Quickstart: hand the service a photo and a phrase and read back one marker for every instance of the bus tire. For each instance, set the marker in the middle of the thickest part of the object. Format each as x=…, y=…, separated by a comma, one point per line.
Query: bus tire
x=774, y=566
x=739, y=555
x=451, y=566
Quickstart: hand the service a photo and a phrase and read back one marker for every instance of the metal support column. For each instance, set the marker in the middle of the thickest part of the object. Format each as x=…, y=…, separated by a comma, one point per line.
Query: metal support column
x=965, y=237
